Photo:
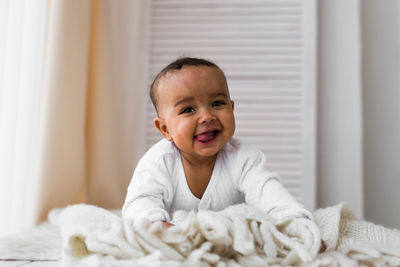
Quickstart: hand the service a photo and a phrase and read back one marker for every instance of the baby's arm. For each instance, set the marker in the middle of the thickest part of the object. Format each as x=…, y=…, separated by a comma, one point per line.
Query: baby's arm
x=263, y=189
x=148, y=192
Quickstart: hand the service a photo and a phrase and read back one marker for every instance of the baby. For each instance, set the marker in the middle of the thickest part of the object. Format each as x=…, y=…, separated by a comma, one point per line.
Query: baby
x=198, y=165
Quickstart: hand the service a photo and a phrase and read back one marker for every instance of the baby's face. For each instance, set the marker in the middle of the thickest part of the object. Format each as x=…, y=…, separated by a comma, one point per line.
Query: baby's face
x=195, y=110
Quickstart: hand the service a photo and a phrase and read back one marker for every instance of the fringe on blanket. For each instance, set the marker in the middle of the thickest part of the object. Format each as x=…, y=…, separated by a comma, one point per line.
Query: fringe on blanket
x=237, y=236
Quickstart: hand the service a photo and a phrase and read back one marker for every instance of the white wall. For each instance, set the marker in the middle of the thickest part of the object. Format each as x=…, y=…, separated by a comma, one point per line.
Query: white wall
x=359, y=107
x=381, y=92
x=339, y=144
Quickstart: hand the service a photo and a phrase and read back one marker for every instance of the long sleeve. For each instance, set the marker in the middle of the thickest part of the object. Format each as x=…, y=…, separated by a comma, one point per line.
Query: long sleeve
x=263, y=189
x=149, y=193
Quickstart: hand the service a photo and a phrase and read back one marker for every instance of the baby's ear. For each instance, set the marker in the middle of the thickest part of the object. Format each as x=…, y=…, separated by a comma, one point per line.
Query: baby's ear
x=233, y=105
x=162, y=127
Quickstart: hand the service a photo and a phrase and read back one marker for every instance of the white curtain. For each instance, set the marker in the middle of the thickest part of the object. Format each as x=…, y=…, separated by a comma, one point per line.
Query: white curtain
x=71, y=91
x=359, y=107
x=22, y=38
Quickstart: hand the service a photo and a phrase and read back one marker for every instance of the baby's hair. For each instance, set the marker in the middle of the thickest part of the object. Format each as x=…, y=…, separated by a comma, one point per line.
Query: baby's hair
x=176, y=65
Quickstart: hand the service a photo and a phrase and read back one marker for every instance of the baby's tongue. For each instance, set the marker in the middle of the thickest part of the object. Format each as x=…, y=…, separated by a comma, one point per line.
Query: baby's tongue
x=205, y=137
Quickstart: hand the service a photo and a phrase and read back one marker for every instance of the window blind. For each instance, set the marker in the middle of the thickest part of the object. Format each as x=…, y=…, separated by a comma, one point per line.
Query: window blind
x=266, y=49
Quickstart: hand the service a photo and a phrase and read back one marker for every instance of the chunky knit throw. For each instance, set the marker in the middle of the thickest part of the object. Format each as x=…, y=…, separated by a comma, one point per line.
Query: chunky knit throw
x=354, y=242
x=237, y=236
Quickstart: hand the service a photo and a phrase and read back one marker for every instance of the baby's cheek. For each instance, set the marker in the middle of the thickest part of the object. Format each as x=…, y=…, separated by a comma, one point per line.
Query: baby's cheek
x=185, y=129
x=230, y=122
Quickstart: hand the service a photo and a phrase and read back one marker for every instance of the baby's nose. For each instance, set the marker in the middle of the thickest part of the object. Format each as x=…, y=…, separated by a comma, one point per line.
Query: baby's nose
x=206, y=116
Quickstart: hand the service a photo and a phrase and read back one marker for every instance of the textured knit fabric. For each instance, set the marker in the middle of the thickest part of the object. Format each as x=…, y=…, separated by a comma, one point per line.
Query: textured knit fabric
x=363, y=242
x=159, y=188
x=239, y=235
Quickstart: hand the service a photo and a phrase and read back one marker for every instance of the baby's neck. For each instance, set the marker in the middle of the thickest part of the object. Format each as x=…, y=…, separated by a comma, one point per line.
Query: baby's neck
x=202, y=162
x=198, y=172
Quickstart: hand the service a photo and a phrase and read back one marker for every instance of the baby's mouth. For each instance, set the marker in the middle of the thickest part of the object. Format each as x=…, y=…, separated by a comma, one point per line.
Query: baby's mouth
x=207, y=137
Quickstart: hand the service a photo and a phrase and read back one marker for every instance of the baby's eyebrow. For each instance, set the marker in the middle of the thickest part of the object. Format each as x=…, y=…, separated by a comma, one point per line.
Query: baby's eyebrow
x=219, y=94
x=183, y=100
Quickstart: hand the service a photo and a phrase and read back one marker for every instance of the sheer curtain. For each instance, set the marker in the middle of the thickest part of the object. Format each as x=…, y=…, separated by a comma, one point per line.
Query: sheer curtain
x=22, y=38
x=71, y=93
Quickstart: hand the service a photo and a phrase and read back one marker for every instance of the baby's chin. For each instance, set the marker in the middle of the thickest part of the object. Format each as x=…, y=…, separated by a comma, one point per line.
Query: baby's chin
x=208, y=151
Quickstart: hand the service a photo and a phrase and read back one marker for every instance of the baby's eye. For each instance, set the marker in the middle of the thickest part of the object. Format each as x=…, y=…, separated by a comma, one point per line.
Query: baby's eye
x=217, y=103
x=187, y=110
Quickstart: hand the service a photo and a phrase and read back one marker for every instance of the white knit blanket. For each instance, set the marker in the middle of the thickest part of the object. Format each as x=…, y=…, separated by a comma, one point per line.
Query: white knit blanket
x=237, y=236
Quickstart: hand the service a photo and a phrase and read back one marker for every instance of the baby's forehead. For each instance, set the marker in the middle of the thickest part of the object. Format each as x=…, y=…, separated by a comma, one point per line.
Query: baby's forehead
x=195, y=70
x=194, y=77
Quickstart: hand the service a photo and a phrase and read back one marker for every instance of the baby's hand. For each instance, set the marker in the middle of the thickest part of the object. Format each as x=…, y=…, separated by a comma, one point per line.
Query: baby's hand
x=323, y=247
x=306, y=231
x=166, y=225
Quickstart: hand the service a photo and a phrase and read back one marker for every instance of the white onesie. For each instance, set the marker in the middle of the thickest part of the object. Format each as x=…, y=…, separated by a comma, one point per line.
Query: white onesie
x=159, y=188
